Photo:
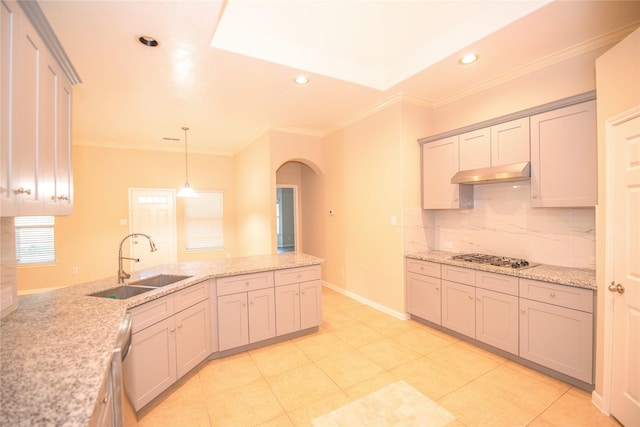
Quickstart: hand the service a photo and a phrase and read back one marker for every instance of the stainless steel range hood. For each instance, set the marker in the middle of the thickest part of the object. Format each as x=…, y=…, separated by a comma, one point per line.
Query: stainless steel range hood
x=502, y=173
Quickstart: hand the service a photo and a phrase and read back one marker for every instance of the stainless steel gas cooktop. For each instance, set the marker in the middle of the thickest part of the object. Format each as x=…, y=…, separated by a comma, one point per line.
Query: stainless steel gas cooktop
x=495, y=260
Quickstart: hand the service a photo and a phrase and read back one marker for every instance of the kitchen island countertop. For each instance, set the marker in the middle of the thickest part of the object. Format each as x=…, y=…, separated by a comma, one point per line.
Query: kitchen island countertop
x=55, y=348
x=569, y=276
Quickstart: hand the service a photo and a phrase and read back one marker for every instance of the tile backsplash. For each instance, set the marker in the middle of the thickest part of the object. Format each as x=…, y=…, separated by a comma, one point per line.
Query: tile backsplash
x=503, y=222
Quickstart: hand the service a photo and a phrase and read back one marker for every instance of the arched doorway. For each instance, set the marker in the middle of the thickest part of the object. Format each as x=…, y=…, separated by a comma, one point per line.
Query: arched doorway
x=296, y=196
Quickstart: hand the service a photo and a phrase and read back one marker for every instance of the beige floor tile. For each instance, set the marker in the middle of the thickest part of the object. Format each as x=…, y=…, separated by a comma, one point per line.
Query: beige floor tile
x=429, y=378
x=390, y=326
x=187, y=414
x=281, y=421
x=319, y=346
x=370, y=385
x=305, y=414
x=347, y=369
x=301, y=386
x=422, y=341
x=523, y=387
x=388, y=353
x=472, y=407
x=277, y=358
x=460, y=359
x=358, y=335
x=251, y=404
x=227, y=373
x=575, y=408
x=338, y=320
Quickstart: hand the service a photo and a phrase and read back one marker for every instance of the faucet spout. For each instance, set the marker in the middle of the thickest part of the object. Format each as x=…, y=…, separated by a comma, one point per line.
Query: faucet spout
x=121, y=273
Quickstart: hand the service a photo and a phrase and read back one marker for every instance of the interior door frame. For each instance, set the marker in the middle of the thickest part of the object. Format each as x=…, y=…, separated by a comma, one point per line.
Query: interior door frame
x=604, y=401
x=296, y=214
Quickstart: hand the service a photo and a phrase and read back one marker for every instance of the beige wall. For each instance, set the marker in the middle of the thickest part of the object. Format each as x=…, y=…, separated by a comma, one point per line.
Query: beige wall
x=618, y=85
x=89, y=238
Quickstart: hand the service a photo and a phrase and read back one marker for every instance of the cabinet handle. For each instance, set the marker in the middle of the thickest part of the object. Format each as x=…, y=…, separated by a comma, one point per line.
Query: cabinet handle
x=172, y=330
x=244, y=304
x=105, y=399
x=63, y=197
x=552, y=294
x=438, y=289
x=22, y=191
x=533, y=196
x=478, y=299
x=296, y=294
x=247, y=283
x=470, y=297
x=180, y=326
x=522, y=310
x=251, y=302
x=302, y=293
x=299, y=276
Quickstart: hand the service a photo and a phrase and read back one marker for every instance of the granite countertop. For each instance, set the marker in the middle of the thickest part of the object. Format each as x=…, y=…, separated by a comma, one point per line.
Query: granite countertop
x=55, y=348
x=578, y=277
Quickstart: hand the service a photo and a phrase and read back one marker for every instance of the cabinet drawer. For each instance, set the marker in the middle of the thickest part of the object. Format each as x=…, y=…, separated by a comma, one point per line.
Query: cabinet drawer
x=244, y=283
x=192, y=295
x=423, y=267
x=459, y=274
x=564, y=296
x=151, y=312
x=297, y=275
x=497, y=282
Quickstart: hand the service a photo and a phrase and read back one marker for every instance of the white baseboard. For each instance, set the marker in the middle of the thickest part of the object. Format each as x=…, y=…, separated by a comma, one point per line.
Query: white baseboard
x=372, y=304
x=600, y=403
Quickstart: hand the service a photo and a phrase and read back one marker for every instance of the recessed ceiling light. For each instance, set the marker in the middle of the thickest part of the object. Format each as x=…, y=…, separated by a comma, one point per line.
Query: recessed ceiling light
x=468, y=59
x=148, y=41
x=302, y=80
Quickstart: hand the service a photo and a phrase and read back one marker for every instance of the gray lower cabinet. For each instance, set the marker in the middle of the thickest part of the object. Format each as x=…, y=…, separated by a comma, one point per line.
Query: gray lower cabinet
x=298, y=299
x=171, y=335
x=545, y=323
x=556, y=327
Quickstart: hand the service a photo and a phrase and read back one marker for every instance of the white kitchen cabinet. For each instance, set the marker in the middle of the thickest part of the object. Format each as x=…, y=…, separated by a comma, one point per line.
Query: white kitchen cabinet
x=500, y=144
x=36, y=123
x=459, y=308
x=171, y=335
x=298, y=294
x=246, y=309
x=440, y=162
x=423, y=290
x=563, y=157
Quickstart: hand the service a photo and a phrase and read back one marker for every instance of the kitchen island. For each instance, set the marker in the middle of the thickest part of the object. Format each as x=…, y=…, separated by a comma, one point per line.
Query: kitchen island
x=56, y=347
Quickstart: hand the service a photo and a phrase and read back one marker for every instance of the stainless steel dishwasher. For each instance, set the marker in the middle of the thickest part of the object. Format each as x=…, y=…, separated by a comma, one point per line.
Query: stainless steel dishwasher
x=124, y=415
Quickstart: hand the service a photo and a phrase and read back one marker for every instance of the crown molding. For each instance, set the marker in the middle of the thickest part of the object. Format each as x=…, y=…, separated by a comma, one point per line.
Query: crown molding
x=33, y=11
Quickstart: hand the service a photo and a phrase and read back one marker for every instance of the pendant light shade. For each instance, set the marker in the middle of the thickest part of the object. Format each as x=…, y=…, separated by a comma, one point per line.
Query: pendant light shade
x=186, y=191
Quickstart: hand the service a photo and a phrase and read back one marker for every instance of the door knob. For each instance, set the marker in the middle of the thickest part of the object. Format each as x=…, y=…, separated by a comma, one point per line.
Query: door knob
x=616, y=288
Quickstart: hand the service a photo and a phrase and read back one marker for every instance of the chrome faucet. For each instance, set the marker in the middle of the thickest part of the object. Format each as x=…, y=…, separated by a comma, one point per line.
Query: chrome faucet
x=121, y=273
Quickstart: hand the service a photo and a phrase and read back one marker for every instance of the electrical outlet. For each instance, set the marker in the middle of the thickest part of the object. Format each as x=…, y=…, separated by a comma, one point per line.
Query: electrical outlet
x=74, y=270
x=447, y=245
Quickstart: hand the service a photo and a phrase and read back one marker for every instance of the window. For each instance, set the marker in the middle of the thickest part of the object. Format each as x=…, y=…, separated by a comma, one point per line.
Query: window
x=35, y=243
x=203, y=221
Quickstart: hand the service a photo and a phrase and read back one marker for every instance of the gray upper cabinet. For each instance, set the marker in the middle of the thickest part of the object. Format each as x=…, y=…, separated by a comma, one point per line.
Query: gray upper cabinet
x=563, y=157
x=440, y=161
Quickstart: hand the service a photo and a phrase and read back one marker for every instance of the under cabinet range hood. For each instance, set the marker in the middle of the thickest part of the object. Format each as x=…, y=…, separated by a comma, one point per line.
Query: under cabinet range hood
x=502, y=173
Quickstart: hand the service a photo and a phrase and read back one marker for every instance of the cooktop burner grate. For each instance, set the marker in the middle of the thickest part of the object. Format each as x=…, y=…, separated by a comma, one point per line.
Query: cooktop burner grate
x=495, y=260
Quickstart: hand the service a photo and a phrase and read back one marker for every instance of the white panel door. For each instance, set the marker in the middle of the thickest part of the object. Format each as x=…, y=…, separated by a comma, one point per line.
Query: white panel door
x=625, y=384
x=152, y=212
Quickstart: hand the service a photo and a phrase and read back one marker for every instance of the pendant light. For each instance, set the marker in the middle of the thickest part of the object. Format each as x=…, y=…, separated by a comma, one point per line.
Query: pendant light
x=186, y=191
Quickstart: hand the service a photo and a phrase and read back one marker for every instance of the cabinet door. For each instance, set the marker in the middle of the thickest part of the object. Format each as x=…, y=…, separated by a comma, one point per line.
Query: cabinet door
x=287, y=309
x=193, y=337
x=262, y=316
x=475, y=149
x=510, y=142
x=558, y=338
x=150, y=366
x=64, y=169
x=497, y=320
x=310, y=304
x=423, y=297
x=459, y=308
x=233, y=326
x=439, y=164
x=47, y=132
x=563, y=157
x=9, y=16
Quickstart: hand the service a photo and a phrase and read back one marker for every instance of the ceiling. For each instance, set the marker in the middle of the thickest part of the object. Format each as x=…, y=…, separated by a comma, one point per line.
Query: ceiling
x=226, y=69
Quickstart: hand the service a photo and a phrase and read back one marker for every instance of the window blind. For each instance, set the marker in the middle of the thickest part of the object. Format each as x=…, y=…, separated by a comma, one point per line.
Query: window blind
x=203, y=219
x=35, y=242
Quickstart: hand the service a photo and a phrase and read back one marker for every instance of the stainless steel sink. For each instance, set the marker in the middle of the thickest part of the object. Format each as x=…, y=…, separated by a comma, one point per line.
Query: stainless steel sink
x=139, y=286
x=121, y=292
x=158, y=281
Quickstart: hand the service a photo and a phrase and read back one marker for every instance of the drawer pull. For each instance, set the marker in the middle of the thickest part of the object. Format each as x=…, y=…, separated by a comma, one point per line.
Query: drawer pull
x=247, y=283
x=552, y=295
x=22, y=190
